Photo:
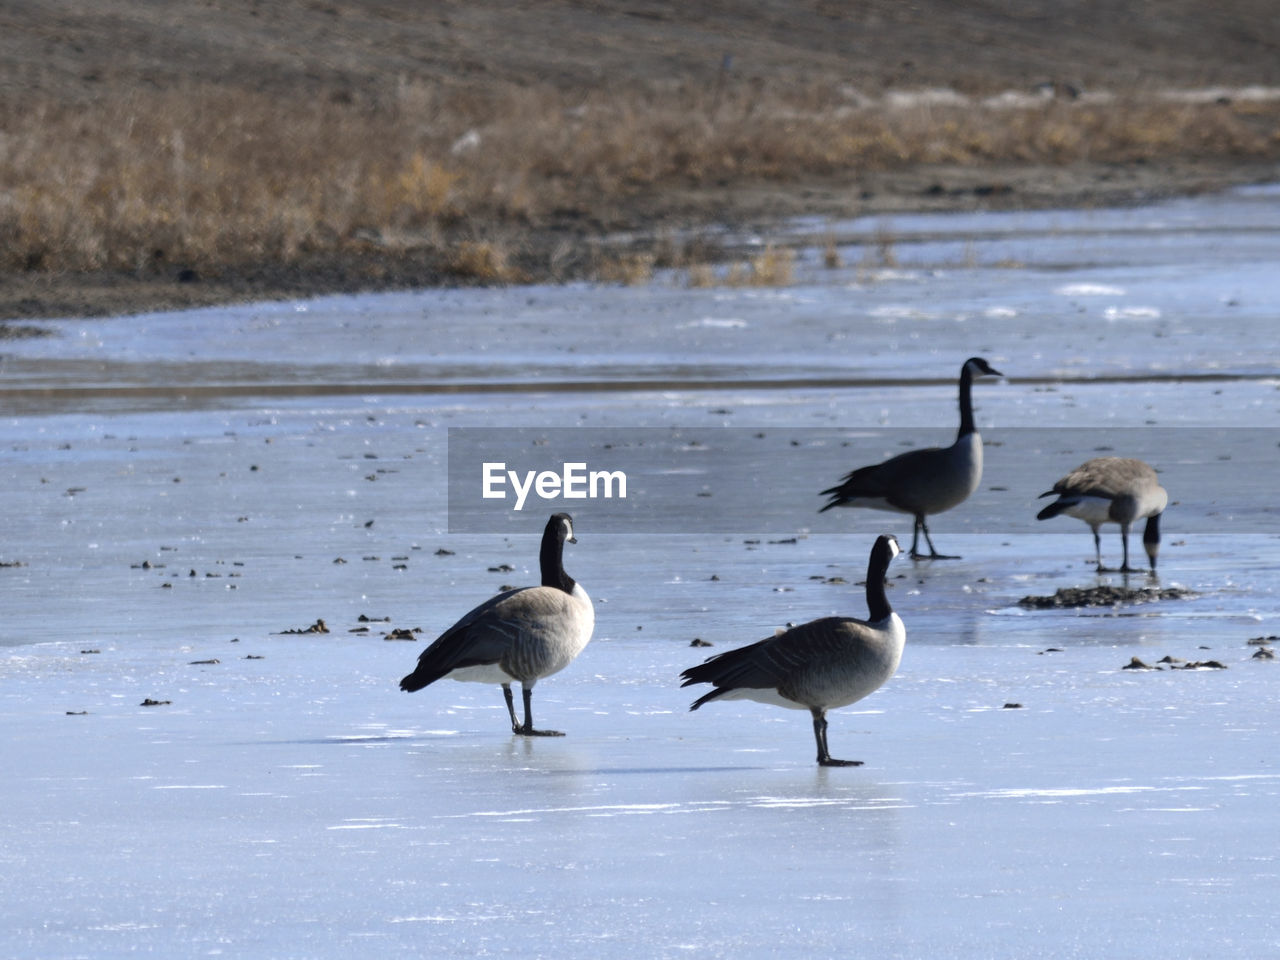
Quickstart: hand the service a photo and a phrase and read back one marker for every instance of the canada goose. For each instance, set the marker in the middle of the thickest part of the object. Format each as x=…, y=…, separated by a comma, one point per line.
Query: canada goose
x=1112, y=490
x=923, y=482
x=825, y=663
x=523, y=634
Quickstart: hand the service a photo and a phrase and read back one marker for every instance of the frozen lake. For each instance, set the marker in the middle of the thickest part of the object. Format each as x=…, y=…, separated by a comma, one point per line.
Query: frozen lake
x=183, y=488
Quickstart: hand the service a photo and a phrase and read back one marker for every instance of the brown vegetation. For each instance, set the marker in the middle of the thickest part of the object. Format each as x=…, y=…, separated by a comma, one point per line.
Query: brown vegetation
x=211, y=178
x=431, y=180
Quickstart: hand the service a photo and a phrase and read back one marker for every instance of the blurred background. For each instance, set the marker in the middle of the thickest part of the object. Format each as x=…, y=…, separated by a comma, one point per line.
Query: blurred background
x=204, y=151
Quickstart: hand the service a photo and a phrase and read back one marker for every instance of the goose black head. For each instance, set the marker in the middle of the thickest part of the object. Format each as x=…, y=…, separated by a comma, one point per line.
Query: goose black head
x=886, y=548
x=978, y=367
x=551, y=556
x=561, y=524
x=1151, y=539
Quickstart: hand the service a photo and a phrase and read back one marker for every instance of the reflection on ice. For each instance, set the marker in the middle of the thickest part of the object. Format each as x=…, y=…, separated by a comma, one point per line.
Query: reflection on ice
x=1024, y=793
x=1088, y=290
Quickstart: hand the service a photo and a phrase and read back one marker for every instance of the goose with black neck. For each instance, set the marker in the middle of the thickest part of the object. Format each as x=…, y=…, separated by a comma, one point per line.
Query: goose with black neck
x=923, y=482
x=520, y=635
x=820, y=665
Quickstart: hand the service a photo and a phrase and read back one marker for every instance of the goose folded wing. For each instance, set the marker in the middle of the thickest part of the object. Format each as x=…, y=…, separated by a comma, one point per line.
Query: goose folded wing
x=482, y=636
x=769, y=662
x=882, y=479
x=1108, y=477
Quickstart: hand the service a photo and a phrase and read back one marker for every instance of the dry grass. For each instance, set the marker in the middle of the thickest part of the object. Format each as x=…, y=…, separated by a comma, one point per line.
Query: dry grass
x=886, y=254
x=629, y=270
x=831, y=258
x=483, y=261
x=701, y=275
x=772, y=267
x=211, y=177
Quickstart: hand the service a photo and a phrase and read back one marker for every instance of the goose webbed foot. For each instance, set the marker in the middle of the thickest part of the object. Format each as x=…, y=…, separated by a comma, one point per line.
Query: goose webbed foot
x=820, y=736
x=935, y=556
x=524, y=731
x=833, y=762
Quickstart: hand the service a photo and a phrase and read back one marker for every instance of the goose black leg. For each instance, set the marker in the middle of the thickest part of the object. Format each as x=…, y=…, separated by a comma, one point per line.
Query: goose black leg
x=527, y=730
x=1124, y=535
x=1097, y=549
x=820, y=734
x=933, y=554
x=511, y=707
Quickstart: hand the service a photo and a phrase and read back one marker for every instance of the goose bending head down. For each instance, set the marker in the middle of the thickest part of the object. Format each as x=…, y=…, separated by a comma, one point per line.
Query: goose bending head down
x=1112, y=490
x=523, y=634
x=817, y=666
x=923, y=482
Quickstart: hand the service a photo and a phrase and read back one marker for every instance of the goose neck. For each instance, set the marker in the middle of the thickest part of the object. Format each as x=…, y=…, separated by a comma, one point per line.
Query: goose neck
x=966, y=404
x=878, y=607
x=551, y=560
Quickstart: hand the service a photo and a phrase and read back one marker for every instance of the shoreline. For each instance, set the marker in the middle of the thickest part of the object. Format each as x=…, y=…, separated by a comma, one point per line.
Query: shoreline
x=567, y=250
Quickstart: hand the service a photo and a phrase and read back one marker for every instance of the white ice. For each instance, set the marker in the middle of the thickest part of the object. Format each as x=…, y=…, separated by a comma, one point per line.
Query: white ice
x=181, y=488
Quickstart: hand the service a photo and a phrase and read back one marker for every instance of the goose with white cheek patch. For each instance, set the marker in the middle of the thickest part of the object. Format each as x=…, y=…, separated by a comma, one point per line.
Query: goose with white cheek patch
x=520, y=635
x=923, y=482
x=1112, y=490
x=818, y=666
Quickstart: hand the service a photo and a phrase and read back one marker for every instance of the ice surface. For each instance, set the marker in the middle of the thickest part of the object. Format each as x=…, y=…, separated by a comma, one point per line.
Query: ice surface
x=181, y=488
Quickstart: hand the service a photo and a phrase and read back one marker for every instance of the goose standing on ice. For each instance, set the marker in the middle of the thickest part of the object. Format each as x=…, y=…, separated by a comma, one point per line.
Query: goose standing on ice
x=523, y=634
x=923, y=482
x=820, y=665
x=1112, y=490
